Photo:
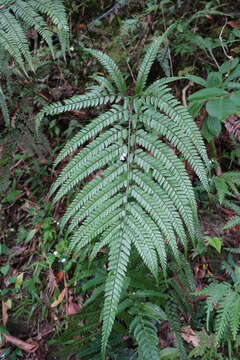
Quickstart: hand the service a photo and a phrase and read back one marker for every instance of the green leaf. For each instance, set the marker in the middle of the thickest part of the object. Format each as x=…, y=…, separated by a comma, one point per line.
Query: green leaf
x=196, y=79
x=214, y=79
x=221, y=107
x=169, y=354
x=228, y=66
x=215, y=242
x=4, y=269
x=206, y=94
x=211, y=128
x=235, y=97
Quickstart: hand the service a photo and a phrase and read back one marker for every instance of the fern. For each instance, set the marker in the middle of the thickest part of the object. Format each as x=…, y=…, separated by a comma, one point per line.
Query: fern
x=138, y=195
x=17, y=16
x=236, y=218
x=224, y=299
x=175, y=326
x=226, y=185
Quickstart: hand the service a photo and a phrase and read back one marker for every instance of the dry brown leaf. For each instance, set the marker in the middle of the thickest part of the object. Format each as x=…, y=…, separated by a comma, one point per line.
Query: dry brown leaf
x=189, y=336
x=60, y=298
x=29, y=346
x=59, y=277
x=73, y=308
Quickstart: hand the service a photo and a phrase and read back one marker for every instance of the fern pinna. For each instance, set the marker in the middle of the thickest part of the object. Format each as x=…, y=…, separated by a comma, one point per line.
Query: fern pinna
x=140, y=195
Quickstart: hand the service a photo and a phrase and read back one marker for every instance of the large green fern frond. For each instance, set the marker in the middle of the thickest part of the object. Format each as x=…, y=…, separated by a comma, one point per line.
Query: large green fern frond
x=132, y=189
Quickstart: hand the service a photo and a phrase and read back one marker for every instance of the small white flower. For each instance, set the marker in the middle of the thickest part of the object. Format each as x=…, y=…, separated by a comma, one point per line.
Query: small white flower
x=71, y=48
x=63, y=260
x=123, y=156
x=55, y=253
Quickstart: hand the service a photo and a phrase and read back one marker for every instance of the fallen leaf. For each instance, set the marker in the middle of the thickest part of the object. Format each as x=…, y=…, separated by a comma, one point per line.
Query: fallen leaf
x=59, y=277
x=189, y=336
x=233, y=24
x=209, y=17
x=73, y=308
x=60, y=298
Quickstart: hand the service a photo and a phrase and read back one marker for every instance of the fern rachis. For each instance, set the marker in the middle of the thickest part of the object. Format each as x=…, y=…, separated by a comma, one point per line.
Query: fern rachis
x=143, y=198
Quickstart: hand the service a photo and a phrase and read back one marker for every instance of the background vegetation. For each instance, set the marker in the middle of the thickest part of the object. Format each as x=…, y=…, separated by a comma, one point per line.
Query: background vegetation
x=51, y=299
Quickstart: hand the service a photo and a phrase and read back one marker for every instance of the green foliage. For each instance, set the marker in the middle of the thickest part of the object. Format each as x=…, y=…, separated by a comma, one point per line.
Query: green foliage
x=16, y=16
x=21, y=20
x=226, y=185
x=224, y=300
x=220, y=97
x=236, y=218
x=175, y=326
x=136, y=183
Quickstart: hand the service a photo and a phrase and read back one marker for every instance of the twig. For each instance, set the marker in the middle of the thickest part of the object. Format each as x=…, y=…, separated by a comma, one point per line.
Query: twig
x=184, y=92
x=221, y=41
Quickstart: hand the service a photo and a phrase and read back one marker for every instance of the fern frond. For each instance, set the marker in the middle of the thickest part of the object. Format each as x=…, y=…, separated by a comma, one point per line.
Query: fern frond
x=175, y=326
x=4, y=107
x=145, y=334
x=153, y=89
x=132, y=189
x=112, y=69
x=111, y=154
x=104, y=83
x=224, y=314
x=19, y=15
x=232, y=223
x=15, y=35
x=55, y=10
x=152, y=229
x=32, y=18
x=235, y=315
x=91, y=191
x=177, y=136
